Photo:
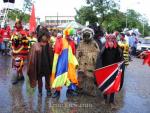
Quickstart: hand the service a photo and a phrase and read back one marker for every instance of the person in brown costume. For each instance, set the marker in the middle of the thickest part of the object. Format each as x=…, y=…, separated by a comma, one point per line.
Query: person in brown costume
x=87, y=52
x=40, y=62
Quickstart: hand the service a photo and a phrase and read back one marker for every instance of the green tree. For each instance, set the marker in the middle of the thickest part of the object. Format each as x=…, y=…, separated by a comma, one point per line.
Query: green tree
x=103, y=7
x=16, y=13
x=86, y=13
x=136, y=20
x=133, y=18
x=107, y=14
x=114, y=21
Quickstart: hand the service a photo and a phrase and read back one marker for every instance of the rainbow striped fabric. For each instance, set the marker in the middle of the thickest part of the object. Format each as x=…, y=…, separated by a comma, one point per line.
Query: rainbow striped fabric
x=64, y=64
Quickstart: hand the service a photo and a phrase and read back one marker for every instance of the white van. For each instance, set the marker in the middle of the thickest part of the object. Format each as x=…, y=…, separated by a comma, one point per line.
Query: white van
x=144, y=45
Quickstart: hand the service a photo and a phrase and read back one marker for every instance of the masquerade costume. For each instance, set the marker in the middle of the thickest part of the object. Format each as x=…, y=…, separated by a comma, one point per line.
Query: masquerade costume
x=19, y=49
x=65, y=62
x=87, y=52
x=19, y=42
x=32, y=40
x=125, y=47
x=40, y=62
x=110, y=55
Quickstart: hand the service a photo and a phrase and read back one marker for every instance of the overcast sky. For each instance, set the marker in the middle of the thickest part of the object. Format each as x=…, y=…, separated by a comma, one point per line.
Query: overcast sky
x=66, y=7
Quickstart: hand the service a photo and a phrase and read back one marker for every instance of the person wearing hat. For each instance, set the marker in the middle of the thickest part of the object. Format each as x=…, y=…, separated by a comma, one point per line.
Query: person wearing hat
x=111, y=53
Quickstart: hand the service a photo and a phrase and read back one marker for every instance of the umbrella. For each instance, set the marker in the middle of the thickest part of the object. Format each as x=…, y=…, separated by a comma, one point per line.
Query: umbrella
x=72, y=24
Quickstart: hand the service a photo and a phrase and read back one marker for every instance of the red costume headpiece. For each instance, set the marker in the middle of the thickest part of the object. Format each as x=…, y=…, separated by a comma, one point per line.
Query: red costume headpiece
x=110, y=37
x=20, y=27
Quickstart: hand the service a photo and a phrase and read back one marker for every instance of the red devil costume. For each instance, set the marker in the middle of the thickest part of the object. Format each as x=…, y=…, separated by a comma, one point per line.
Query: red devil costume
x=19, y=49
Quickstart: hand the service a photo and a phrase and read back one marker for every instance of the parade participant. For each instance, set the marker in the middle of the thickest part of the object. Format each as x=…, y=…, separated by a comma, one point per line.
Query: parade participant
x=133, y=44
x=53, y=38
x=87, y=52
x=125, y=47
x=31, y=39
x=99, y=37
x=116, y=33
x=65, y=63
x=40, y=62
x=1, y=40
x=109, y=54
x=19, y=50
x=5, y=34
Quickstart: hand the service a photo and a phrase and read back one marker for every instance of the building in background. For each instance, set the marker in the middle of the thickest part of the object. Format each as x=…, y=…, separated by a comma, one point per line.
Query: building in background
x=53, y=21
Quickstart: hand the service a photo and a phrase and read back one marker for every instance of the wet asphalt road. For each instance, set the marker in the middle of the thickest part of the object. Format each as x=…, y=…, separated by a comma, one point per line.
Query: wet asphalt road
x=134, y=97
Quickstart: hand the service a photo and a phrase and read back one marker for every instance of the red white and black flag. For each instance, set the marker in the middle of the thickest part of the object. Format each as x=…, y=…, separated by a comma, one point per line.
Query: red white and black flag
x=10, y=1
x=109, y=78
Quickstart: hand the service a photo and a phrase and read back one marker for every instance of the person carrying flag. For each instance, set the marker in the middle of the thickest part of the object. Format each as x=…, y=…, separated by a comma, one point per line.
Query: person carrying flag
x=111, y=53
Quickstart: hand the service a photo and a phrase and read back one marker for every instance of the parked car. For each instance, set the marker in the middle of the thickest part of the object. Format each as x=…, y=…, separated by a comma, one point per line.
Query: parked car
x=143, y=45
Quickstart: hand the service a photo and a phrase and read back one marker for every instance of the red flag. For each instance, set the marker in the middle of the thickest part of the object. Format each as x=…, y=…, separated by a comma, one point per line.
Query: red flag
x=32, y=20
x=109, y=78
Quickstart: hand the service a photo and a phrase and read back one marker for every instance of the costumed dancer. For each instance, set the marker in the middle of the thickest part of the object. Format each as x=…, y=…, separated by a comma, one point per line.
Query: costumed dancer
x=125, y=47
x=109, y=54
x=32, y=39
x=65, y=63
x=53, y=38
x=87, y=53
x=40, y=62
x=19, y=50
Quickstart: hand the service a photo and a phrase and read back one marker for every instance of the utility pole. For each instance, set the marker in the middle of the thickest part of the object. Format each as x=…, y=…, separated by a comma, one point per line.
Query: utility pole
x=143, y=28
x=126, y=21
x=57, y=18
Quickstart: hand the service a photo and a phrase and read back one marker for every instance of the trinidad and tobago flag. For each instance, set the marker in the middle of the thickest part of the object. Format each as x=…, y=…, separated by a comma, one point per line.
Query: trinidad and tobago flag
x=108, y=78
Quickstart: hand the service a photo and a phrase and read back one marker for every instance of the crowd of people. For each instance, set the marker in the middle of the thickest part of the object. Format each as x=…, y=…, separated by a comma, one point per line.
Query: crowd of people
x=66, y=58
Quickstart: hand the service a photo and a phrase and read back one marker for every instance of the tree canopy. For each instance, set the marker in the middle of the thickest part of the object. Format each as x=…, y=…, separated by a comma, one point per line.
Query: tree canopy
x=106, y=13
x=13, y=14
